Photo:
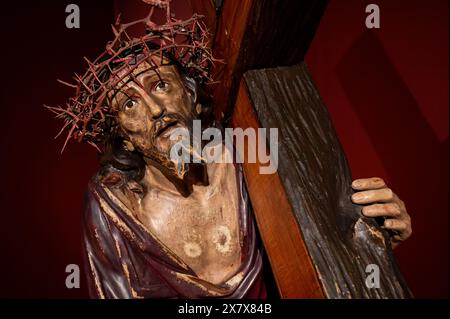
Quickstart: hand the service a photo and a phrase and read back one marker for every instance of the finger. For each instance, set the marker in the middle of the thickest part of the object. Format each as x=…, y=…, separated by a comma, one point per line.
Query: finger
x=400, y=202
x=382, y=210
x=400, y=226
x=373, y=196
x=368, y=183
x=396, y=240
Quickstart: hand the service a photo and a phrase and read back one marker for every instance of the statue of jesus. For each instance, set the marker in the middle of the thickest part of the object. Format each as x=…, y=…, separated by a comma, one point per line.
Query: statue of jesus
x=151, y=229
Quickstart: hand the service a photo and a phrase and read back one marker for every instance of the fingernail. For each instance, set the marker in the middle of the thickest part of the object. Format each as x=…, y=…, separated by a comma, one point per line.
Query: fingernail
x=356, y=184
x=357, y=197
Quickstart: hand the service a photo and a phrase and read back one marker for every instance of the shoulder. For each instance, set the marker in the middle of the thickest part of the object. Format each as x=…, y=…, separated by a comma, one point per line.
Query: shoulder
x=110, y=177
x=111, y=188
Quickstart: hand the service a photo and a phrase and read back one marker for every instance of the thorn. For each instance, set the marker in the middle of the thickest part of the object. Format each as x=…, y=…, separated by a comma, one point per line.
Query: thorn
x=67, y=84
x=88, y=62
x=117, y=22
x=116, y=33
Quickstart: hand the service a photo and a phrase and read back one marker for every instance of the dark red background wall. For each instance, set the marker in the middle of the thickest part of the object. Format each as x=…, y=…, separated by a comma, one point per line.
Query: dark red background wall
x=387, y=92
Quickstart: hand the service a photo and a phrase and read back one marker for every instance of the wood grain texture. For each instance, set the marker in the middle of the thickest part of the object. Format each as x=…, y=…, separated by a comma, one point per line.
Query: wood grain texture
x=206, y=8
x=228, y=40
x=306, y=205
x=291, y=265
x=253, y=34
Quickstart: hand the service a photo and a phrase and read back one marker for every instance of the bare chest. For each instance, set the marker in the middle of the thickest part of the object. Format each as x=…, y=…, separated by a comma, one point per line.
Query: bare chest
x=202, y=229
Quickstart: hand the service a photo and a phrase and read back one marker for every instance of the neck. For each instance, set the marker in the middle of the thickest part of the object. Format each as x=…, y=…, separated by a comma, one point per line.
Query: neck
x=156, y=174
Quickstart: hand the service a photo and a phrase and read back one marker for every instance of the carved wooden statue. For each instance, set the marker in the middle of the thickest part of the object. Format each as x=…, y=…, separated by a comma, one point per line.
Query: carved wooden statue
x=159, y=228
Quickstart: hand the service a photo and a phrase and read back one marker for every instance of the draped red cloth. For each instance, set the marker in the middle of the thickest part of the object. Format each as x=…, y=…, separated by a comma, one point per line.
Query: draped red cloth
x=125, y=260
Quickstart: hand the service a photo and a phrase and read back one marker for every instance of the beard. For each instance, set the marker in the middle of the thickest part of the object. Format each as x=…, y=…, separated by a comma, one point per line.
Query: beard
x=161, y=145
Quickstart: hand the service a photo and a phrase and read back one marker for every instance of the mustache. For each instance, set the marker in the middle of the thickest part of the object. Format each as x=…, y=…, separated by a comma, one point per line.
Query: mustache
x=163, y=123
x=160, y=156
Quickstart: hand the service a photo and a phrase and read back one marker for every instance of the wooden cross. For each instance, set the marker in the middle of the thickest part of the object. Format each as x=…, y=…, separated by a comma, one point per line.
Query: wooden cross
x=318, y=243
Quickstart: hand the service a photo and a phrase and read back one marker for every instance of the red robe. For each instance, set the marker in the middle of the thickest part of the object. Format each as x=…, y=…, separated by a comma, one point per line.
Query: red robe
x=125, y=260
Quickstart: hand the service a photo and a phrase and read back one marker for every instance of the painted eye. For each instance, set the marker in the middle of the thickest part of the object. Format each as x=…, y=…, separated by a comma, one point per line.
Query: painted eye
x=129, y=104
x=160, y=86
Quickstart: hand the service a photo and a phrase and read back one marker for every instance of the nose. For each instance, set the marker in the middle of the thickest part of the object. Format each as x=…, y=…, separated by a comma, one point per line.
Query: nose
x=156, y=109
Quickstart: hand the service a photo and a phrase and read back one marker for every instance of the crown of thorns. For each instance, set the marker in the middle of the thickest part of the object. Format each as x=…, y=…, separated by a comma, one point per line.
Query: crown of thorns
x=87, y=116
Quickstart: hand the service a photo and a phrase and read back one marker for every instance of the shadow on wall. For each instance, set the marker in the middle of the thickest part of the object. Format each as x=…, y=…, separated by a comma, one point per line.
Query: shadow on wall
x=417, y=163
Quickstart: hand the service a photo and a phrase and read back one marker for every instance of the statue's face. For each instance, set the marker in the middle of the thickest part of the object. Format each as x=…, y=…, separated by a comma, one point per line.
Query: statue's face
x=151, y=106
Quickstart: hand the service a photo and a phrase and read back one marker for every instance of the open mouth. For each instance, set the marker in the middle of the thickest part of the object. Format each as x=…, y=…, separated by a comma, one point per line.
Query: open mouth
x=165, y=128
